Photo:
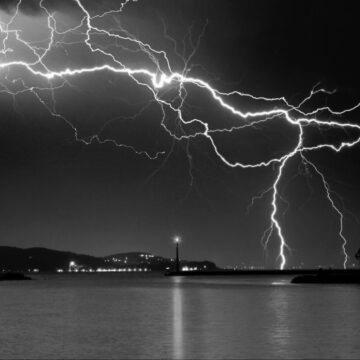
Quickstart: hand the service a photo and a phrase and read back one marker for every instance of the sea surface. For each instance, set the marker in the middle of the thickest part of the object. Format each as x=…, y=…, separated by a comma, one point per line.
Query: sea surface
x=100, y=316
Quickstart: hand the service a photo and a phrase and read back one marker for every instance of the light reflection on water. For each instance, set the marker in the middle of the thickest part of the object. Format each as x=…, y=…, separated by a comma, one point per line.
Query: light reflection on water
x=152, y=316
x=178, y=319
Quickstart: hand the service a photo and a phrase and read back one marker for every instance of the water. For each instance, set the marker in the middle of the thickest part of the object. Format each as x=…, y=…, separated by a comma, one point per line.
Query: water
x=151, y=316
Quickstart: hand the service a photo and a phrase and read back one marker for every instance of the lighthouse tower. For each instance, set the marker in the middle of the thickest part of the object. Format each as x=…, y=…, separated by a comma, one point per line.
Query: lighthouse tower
x=177, y=260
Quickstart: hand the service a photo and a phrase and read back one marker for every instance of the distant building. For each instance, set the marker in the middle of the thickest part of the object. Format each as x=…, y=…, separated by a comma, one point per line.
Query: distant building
x=73, y=267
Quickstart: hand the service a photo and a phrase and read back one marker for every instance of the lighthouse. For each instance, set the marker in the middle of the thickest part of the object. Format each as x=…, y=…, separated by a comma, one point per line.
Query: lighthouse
x=177, y=261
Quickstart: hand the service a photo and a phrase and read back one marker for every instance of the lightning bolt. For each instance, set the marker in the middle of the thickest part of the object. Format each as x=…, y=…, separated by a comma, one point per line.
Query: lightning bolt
x=157, y=78
x=331, y=200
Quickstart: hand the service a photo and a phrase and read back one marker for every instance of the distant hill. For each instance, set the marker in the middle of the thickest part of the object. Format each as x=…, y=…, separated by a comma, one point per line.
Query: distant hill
x=43, y=259
x=17, y=259
x=155, y=263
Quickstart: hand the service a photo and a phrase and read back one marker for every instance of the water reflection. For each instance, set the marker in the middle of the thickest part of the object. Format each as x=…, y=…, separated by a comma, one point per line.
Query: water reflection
x=150, y=317
x=178, y=326
x=280, y=333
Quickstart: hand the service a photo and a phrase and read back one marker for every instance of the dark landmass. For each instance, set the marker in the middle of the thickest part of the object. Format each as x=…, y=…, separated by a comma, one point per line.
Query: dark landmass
x=13, y=276
x=155, y=263
x=42, y=259
x=329, y=277
x=18, y=260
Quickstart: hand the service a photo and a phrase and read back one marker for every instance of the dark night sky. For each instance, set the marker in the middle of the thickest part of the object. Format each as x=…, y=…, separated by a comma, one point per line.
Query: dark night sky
x=98, y=199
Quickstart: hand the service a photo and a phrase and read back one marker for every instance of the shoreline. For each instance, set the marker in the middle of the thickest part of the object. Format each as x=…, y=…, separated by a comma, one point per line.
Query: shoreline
x=352, y=272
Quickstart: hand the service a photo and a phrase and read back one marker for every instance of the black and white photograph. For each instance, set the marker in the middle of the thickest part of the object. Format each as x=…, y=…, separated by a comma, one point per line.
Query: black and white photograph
x=179, y=179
